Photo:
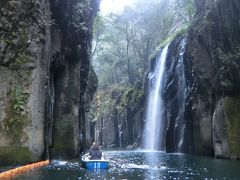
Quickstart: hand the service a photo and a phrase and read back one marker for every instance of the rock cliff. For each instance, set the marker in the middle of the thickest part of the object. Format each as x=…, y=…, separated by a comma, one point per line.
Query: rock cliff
x=44, y=62
x=24, y=63
x=201, y=94
x=117, y=117
x=70, y=65
x=211, y=69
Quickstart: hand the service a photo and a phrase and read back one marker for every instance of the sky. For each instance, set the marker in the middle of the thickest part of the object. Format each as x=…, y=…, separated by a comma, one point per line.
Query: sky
x=114, y=6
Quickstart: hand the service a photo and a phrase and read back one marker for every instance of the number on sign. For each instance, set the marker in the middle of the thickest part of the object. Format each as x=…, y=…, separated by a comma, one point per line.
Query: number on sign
x=97, y=165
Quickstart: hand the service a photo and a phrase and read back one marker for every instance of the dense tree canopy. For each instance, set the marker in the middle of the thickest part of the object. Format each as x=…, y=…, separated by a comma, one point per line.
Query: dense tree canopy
x=124, y=42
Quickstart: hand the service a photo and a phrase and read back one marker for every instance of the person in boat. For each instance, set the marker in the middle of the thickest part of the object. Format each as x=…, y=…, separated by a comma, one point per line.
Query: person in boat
x=95, y=151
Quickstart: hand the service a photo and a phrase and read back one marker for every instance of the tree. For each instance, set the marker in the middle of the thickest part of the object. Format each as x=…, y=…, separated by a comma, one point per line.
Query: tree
x=124, y=42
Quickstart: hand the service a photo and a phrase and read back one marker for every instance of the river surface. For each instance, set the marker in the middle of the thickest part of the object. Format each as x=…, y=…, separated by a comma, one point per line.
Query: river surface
x=132, y=165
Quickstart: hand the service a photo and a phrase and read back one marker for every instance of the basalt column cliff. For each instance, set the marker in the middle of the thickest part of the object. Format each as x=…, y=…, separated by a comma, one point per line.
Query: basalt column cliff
x=44, y=60
x=211, y=118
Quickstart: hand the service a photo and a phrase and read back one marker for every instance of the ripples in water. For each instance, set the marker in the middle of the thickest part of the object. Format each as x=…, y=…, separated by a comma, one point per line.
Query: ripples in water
x=138, y=165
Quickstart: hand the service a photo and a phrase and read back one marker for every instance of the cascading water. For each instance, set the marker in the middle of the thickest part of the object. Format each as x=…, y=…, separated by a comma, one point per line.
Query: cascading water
x=154, y=138
x=181, y=92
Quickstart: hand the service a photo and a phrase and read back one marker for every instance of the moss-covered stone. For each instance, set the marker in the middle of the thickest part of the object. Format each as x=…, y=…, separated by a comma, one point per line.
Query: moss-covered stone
x=22, y=58
x=170, y=38
x=16, y=118
x=232, y=106
x=16, y=111
x=130, y=97
x=14, y=155
x=113, y=98
x=21, y=22
x=64, y=136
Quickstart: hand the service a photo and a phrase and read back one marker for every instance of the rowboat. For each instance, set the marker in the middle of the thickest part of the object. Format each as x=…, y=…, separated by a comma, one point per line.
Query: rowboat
x=94, y=164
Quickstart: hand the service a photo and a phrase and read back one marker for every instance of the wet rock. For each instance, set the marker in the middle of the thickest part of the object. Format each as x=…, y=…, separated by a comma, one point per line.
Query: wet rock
x=212, y=71
x=211, y=75
x=72, y=84
x=22, y=111
x=122, y=125
x=33, y=59
x=232, y=115
x=220, y=132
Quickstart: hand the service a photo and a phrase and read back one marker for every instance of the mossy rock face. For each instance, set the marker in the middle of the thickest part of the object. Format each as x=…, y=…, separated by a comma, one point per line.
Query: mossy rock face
x=16, y=118
x=20, y=22
x=64, y=136
x=13, y=155
x=232, y=107
x=116, y=98
x=16, y=110
x=131, y=97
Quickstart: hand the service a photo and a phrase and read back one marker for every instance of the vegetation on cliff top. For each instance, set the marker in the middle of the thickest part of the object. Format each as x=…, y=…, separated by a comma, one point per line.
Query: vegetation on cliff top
x=123, y=44
x=114, y=98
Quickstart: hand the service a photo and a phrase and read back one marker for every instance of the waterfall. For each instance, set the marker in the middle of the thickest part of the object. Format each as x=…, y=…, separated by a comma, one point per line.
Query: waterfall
x=154, y=132
x=181, y=92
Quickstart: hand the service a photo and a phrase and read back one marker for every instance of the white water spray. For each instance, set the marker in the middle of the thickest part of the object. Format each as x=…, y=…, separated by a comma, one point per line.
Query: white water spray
x=181, y=93
x=154, y=133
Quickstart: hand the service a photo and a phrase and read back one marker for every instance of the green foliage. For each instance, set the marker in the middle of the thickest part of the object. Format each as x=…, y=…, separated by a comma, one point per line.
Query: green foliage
x=16, y=117
x=20, y=99
x=130, y=97
x=104, y=103
x=6, y=42
x=115, y=98
x=23, y=34
x=22, y=58
x=123, y=43
x=171, y=37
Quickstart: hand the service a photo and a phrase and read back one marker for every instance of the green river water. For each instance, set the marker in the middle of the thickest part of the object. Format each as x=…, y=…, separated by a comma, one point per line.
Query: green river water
x=138, y=165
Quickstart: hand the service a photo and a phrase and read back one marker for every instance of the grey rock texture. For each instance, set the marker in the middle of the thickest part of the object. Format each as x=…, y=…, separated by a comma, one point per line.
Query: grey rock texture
x=212, y=70
x=209, y=111
x=24, y=54
x=70, y=67
x=213, y=73
x=120, y=123
x=220, y=132
x=44, y=60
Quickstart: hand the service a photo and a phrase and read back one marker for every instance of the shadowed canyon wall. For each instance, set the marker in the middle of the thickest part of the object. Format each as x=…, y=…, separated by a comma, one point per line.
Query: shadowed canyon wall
x=117, y=117
x=211, y=77
x=70, y=66
x=44, y=60
x=213, y=69
x=205, y=70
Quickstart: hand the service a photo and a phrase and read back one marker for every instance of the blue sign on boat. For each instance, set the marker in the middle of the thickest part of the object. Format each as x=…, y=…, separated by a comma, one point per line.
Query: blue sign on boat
x=94, y=164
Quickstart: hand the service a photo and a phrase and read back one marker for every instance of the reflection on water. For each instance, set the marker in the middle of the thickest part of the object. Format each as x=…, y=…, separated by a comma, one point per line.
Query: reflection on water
x=155, y=161
x=141, y=165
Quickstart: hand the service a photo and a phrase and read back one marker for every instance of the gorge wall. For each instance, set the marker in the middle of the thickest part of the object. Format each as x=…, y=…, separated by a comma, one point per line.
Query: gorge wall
x=117, y=117
x=70, y=64
x=44, y=60
x=211, y=96
x=213, y=69
x=203, y=65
